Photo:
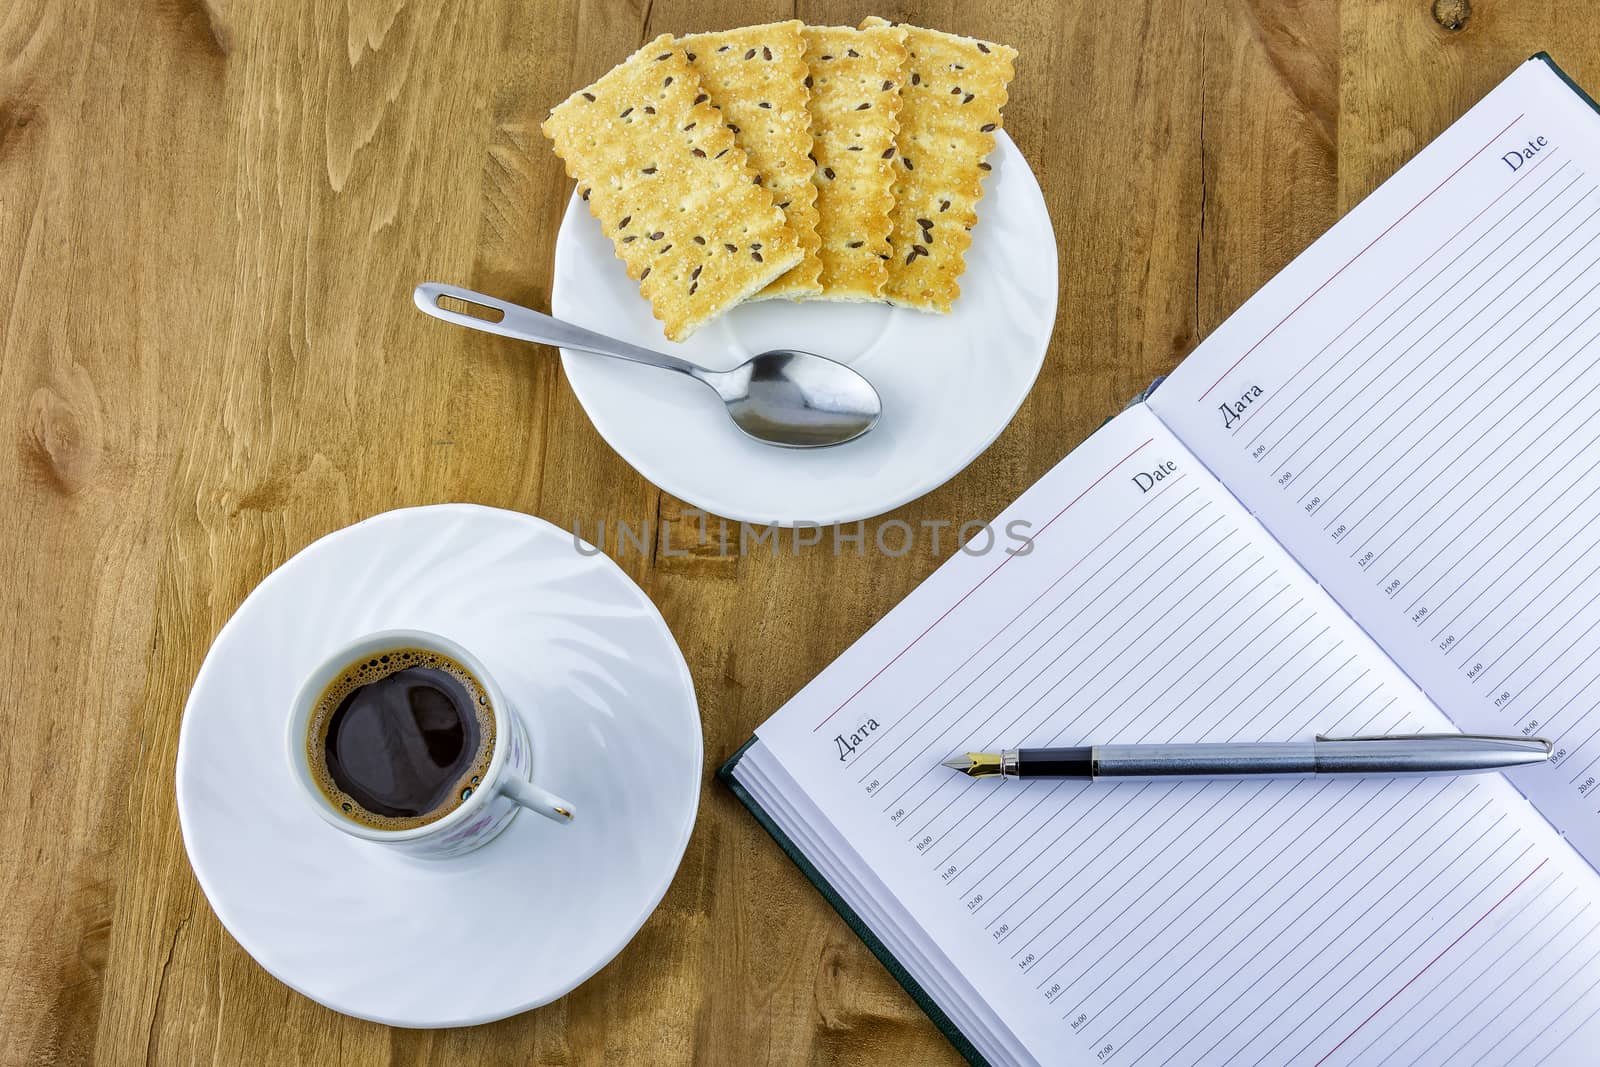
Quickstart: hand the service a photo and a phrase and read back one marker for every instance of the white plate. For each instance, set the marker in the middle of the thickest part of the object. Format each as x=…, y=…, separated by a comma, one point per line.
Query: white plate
x=538, y=910
x=950, y=383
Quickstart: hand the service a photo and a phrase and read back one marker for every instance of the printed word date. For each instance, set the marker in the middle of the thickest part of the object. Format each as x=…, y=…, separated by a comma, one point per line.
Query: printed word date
x=1148, y=480
x=848, y=743
x=1518, y=156
x=1233, y=410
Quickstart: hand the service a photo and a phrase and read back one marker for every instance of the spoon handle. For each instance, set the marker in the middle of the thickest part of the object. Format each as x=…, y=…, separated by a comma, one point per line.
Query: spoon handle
x=525, y=324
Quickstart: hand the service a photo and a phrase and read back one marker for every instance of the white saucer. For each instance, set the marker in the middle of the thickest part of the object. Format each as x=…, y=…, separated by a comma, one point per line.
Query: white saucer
x=527, y=917
x=950, y=383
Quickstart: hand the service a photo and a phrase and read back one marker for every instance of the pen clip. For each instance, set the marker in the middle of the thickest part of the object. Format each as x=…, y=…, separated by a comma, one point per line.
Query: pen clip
x=1325, y=739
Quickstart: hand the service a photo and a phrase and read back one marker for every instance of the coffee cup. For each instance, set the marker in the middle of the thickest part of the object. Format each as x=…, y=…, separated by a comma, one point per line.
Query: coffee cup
x=403, y=738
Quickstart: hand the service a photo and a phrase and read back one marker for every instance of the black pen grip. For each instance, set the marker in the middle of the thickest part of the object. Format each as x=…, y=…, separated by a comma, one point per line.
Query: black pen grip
x=1056, y=763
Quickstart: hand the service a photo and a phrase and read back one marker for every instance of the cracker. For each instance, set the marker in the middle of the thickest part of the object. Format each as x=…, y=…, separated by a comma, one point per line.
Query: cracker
x=855, y=82
x=756, y=77
x=950, y=107
x=687, y=214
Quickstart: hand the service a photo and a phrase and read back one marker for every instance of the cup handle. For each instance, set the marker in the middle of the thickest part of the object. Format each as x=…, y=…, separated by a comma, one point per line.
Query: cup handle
x=542, y=801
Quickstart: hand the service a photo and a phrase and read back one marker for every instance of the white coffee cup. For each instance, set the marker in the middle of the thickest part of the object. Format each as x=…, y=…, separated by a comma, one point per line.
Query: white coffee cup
x=505, y=787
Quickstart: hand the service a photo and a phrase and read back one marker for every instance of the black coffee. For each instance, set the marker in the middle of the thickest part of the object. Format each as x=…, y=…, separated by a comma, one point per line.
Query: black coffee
x=400, y=738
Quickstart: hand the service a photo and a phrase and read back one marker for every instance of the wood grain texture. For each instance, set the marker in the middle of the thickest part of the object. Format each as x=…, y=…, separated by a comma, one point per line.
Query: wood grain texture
x=211, y=216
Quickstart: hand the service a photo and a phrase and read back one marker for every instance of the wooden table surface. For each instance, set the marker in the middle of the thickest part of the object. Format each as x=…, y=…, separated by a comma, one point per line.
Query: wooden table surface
x=212, y=213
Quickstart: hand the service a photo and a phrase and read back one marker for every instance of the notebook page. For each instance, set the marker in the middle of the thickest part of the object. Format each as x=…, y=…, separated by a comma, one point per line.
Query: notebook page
x=855, y=882
x=1144, y=923
x=1413, y=409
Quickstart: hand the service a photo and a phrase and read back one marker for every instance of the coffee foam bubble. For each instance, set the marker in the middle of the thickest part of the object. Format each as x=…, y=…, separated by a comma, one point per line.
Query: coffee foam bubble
x=375, y=668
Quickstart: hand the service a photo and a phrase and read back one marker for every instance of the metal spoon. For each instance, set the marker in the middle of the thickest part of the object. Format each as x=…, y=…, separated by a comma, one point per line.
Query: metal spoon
x=787, y=398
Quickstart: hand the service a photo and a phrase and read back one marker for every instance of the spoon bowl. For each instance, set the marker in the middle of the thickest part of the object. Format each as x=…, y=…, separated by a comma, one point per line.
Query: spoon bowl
x=786, y=398
x=797, y=399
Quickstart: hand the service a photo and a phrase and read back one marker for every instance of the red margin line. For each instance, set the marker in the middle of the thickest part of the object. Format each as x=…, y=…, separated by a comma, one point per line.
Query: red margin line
x=975, y=588
x=1359, y=254
x=1431, y=962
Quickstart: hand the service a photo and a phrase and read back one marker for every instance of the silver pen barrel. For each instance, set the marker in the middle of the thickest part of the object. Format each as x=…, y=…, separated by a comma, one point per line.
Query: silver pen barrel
x=1375, y=756
x=1291, y=759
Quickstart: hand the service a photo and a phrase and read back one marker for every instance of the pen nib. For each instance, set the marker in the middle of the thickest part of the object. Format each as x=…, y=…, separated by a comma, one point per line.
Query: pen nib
x=975, y=764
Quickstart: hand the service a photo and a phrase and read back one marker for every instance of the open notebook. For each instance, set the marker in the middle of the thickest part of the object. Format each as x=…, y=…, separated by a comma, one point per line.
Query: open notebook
x=1377, y=511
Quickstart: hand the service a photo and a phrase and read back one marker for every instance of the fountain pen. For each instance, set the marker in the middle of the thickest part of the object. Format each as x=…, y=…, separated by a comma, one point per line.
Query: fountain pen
x=1406, y=755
